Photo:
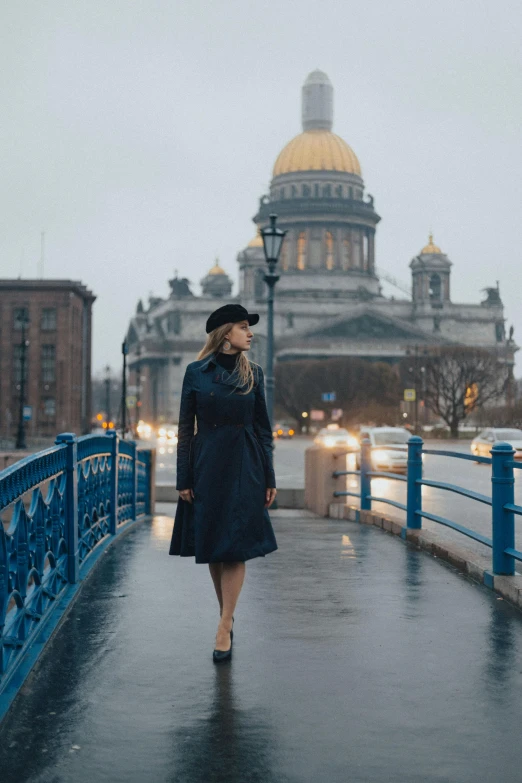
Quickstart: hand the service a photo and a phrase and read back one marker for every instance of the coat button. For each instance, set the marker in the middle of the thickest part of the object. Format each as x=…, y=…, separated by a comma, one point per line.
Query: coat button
x=215, y=425
x=211, y=394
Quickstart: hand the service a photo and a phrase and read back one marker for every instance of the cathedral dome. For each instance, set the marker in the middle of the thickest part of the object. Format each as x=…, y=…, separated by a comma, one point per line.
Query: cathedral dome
x=257, y=241
x=317, y=149
x=431, y=248
x=216, y=269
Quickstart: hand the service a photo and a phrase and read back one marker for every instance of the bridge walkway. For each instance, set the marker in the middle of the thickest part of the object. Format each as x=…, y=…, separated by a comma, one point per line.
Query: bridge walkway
x=356, y=658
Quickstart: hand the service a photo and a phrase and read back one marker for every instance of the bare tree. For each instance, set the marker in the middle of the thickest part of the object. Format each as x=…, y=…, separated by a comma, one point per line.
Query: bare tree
x=460, y=380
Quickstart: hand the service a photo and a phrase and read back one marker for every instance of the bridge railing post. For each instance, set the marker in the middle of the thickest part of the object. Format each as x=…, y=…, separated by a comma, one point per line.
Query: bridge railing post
x=413, y=488
x=113, y=518
x=134, y=478
x=366, y=479
x=71, y=504
x=503, y=521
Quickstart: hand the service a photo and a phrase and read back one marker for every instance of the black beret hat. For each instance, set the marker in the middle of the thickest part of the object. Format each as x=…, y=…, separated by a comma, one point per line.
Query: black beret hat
x=230, y=314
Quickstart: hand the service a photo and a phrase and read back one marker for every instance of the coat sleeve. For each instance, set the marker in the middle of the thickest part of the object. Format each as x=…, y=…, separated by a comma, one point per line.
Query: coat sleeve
x=187, y=413
x=263, y=429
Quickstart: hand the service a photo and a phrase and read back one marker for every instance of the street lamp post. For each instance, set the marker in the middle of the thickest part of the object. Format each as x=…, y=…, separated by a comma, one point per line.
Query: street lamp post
x=272, y=242
x=108, y=394
x=124, y=351
x=416, y=371
x=20, y=435
x=138, y=390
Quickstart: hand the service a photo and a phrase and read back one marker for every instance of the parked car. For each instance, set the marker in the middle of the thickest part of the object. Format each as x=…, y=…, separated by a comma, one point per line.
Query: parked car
x=283, y=430
x=483, y=443
x=387, y=459
x=335, y=437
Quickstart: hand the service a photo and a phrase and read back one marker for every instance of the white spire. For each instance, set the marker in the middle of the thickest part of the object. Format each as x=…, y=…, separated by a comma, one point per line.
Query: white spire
x=317, y=102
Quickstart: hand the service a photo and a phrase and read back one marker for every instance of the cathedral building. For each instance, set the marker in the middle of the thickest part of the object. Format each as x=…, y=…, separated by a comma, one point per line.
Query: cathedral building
x=329, y=300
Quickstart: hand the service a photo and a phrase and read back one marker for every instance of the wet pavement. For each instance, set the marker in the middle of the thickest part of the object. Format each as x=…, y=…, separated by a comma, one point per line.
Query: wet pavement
x=356, y=658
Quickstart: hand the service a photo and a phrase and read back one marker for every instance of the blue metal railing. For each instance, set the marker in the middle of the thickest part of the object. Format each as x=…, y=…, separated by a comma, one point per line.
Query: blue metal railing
x=503, y=507
x=84, y=491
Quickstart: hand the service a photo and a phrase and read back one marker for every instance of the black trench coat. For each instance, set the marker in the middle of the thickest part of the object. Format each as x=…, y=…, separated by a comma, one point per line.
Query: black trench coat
x=228, y=463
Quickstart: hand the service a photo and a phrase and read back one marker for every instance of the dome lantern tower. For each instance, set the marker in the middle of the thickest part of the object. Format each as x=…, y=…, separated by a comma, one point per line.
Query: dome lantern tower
x=317, y=102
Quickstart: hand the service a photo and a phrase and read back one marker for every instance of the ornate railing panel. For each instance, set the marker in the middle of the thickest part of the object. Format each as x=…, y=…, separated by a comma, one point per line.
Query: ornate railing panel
x=144, y=466
x=61, y=503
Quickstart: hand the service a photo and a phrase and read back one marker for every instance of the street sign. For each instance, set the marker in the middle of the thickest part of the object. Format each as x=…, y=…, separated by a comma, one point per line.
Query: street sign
x=409, y=395
x=328, y=396
x=337, y=414
x=131, y=401
x=28, y=412
x=316, y=415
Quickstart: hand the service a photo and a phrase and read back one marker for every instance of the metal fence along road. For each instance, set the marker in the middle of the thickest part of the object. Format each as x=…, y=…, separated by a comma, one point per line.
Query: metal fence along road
x=502, y=500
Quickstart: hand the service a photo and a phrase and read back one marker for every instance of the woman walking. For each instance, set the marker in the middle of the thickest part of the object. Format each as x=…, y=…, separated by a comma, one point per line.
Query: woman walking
x=225, y=473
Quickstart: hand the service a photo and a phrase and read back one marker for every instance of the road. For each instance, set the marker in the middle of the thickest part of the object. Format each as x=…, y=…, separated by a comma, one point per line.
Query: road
x=289, y=464
x=356, y=658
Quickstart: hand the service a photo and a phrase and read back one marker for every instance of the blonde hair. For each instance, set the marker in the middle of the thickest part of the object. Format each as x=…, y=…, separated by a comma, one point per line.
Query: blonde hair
x=244, y=367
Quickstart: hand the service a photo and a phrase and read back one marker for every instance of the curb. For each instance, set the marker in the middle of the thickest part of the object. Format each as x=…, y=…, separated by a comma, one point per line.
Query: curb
x=473, y=565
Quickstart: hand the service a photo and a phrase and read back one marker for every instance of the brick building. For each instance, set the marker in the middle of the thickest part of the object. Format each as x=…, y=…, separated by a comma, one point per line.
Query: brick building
x=58, y=314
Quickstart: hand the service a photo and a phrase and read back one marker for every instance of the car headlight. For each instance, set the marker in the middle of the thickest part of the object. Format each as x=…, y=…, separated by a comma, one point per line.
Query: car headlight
x=329, y=442
x=351, y=441
x=381, y=455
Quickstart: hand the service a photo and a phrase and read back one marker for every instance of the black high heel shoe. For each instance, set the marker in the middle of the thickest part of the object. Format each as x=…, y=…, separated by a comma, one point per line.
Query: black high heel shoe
x=219, y=656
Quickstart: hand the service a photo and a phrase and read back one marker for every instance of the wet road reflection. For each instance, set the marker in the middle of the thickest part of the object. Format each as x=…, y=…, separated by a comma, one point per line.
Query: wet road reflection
x=356, y=658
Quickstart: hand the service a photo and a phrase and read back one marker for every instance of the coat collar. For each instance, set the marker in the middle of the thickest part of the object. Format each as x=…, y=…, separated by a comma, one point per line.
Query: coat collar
x=220, y=375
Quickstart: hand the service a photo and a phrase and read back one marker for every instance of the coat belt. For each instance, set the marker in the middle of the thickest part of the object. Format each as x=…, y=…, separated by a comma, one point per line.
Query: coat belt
x=204, y=426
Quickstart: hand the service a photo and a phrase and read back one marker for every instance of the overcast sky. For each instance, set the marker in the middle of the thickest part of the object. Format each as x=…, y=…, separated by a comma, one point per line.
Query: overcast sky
x=139, y=135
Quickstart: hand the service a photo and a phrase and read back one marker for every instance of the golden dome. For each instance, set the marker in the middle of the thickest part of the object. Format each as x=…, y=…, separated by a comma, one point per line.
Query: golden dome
x=317, y=150
x=216, y=269
x=257, y=241
x=430, y=247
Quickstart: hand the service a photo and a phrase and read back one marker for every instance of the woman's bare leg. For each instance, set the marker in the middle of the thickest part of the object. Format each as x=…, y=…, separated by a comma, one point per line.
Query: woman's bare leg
x=216, y=570
x=232, y=580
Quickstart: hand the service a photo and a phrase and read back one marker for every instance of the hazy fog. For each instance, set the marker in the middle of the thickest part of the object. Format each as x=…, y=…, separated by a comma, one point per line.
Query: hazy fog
x=139, y=135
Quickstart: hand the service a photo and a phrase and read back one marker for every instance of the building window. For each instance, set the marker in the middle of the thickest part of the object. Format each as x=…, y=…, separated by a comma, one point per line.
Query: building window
x=357, y=250
x=259, y=284
x=316, y=191
x=48, y=363
x=49, y=407
x=174, y=322
x=301, y=250
x=365, y=252
x=282, y=193
x=20, y=314
x=327, y=191
x=48, y=322
x=347, y=254
x=350, y=192
x=176, y=360
x=17, y=364
x=435, y=288
x=306, y=191
x=329, y=242
x=290, y=320
x=499, y=332
x=284, y=257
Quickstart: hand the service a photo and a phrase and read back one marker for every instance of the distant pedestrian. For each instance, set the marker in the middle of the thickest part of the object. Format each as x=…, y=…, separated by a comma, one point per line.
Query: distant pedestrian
x=225, y=473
